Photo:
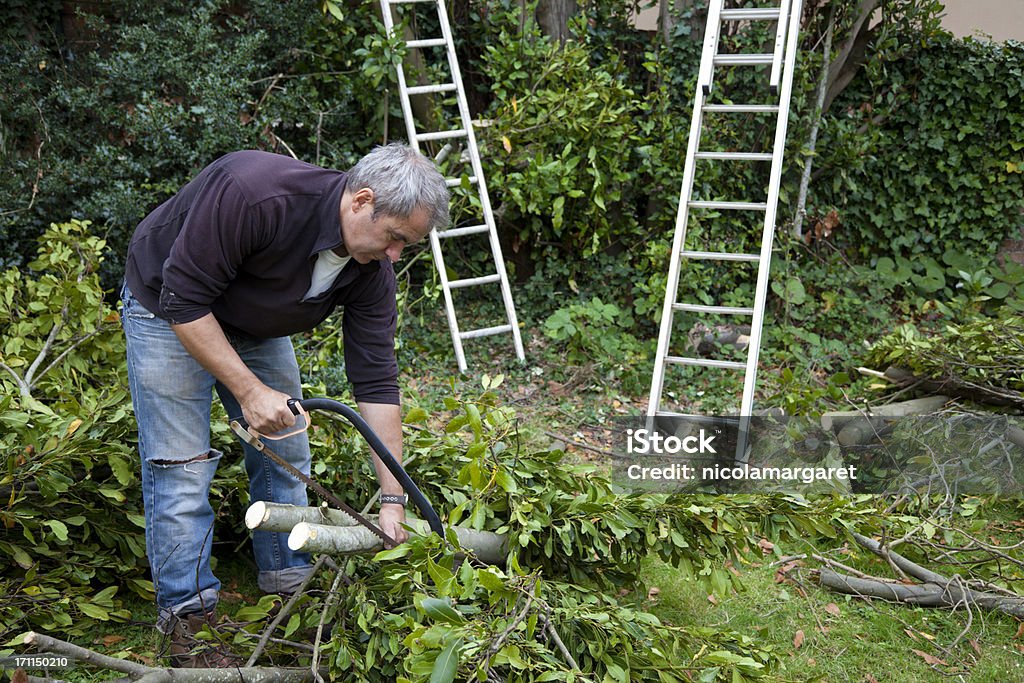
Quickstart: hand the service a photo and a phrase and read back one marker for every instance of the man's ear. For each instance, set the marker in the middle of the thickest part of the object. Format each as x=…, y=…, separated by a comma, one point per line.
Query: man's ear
x=362, y=199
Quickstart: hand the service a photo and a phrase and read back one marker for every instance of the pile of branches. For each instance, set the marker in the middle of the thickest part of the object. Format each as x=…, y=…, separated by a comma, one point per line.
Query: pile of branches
x=979, y=360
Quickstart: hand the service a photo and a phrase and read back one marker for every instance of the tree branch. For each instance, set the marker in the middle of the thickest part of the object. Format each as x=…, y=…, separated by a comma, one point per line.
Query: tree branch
x=844, y=66
x=22, y=387
x=26, y=389
x=283, y=612
x=147, y=674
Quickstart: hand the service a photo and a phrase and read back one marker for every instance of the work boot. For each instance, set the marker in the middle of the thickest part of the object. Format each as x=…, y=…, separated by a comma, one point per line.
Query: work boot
x=188, y=652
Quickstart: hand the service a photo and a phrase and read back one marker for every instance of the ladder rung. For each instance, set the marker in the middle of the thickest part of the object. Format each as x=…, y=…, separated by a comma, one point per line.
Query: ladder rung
x=743, y=108
x=718, y=256
x=485, y=332
x=455, y=182
x=737, y=206
x=725, y=310
x=750, y=14
x=472, y=281
x=736, y=156
x=420, y=89
x=442, y=134
x=459, y=232
x=742, y=60
x=426, y=42
x=407, y=2
x=706, y=362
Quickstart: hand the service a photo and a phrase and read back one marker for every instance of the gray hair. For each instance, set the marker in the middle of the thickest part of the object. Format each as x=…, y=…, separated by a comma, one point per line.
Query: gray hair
x=402, y=180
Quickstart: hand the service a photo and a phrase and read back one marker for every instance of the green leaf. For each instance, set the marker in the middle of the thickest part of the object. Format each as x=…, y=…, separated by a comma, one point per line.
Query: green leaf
x=58, y=528
x=333, y=8
x=415, y=416
x=293, y=625
x=21, y=557
x=447, y=663
x=392, y=554
x=505, y=481
x=490, y=581
x=473, y=413
x=441, y=609
x=94, y=611
x=105, y=596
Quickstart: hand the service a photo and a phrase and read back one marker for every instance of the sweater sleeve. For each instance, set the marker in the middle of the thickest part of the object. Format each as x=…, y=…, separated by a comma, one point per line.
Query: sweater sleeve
x=369, y=326
x=215, y=238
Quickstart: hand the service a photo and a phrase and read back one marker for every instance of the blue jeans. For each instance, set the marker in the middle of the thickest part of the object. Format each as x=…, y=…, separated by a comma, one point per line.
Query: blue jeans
x=172, y=395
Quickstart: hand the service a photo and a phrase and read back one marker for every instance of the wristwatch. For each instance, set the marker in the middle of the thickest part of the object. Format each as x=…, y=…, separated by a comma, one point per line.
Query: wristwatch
x=392, y=499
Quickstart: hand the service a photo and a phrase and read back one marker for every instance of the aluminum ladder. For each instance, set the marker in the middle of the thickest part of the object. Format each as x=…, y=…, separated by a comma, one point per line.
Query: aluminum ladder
x=462, y=133
x=782, y=60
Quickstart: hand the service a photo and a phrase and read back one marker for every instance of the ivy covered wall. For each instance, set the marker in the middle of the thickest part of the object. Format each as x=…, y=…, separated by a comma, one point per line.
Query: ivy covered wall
x=941, y=163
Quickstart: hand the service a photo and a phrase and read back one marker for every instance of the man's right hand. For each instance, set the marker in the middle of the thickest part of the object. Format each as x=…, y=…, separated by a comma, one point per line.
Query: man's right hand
x=266, y=410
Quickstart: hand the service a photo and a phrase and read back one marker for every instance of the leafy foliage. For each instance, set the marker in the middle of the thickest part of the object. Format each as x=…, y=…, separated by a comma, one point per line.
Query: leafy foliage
x=985, y=352
x=72, y=518
x=595, y=331
x=574, y=541
x=470, y=620
x=109, y=133
x=941, y=158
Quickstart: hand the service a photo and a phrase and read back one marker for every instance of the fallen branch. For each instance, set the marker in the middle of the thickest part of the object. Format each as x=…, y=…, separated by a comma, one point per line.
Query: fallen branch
x=569, y=441
x=141, y=673
x=935, y=590
x=957, y=386
x=283, y=612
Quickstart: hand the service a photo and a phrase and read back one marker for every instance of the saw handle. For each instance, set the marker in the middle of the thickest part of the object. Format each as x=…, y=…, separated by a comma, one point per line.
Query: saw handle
x=301, y=423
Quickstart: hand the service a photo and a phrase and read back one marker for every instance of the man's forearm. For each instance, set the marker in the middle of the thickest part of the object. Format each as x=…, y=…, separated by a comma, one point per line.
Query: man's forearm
x=386, y=420
x=204, y=339
x=265, y=409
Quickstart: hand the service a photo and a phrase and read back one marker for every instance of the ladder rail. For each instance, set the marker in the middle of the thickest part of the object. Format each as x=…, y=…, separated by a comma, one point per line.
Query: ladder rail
x=781, y=85
x=435, y=244
x=714, y=29
x=780, y=40
x=682, y=220
x=768, y=232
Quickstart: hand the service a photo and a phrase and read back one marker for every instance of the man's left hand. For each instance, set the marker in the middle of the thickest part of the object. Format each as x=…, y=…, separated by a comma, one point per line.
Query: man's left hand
x=391, y=519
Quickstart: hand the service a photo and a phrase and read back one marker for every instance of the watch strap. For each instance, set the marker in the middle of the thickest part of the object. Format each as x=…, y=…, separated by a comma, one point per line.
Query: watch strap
x=392, y=499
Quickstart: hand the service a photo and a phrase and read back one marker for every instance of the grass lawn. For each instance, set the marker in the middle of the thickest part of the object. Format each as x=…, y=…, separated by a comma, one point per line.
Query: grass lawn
x=828, y=637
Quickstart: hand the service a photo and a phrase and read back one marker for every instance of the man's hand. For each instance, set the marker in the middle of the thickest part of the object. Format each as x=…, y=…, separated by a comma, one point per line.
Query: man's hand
x=266, y=410
x=391, y=519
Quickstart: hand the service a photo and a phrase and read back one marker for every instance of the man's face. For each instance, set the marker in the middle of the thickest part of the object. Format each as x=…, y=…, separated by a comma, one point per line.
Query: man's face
x=366, y=239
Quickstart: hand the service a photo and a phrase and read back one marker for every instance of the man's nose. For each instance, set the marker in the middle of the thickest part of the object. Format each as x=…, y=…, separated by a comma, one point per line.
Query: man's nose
x=394, y=251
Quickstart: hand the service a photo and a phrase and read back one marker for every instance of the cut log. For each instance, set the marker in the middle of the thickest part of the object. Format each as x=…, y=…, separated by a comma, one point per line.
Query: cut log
x=267, y=516
x=341, y=540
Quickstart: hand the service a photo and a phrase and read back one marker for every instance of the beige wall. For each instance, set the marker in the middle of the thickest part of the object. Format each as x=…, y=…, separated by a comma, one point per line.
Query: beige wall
x=1000, y=19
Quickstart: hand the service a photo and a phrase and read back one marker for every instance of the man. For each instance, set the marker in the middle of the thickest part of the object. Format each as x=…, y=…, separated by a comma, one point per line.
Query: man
x=256, y=247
